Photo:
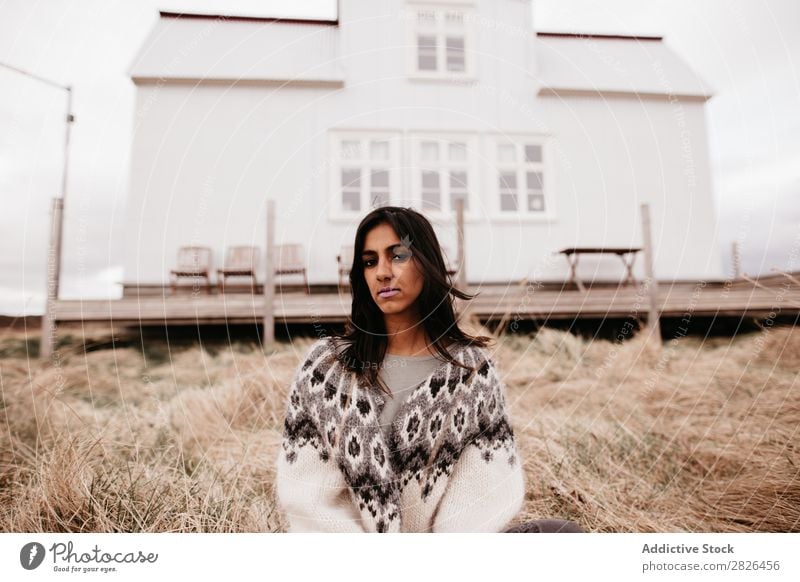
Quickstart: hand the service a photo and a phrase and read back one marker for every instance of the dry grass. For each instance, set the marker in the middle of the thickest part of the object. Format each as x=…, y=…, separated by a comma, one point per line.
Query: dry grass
x=697, y=436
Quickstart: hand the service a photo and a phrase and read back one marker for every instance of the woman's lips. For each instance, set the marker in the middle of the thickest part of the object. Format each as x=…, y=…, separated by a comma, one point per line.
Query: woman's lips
x=391, y=293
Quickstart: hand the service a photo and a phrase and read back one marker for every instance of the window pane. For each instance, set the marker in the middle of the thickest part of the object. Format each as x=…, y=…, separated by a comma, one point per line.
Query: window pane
x=351, y=189
x=506, y=153
x=351, y=178
x=458, y=188
x=426, y=53
x=533, y=153
x=379, y=198
x=426, y=63
x=430, y=179
x=431, y=194
x=351, y=201
x=457, y=152
x=458, y=179
x=379, y=150
x=455, y=53
x=508, y=202
x=534, y=180
x=430, y=201
x=508, y=181
x=535, y=201
x=350, y=149
x=379, y=187
x=508, y=191
x=534, y=188
x=429, y=151
x=379, y=179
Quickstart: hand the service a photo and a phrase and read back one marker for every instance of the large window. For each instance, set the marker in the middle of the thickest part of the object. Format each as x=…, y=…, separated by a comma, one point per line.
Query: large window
x=519, y=177
x=442, y=40
x=443, y=171
x=365, y=171
x=496, y=176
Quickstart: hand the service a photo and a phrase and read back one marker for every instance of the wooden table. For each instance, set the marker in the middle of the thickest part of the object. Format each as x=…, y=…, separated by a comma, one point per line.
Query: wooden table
x=627, y=254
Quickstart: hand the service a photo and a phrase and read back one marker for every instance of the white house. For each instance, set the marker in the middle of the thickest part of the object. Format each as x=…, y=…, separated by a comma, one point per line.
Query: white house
x=552, y=139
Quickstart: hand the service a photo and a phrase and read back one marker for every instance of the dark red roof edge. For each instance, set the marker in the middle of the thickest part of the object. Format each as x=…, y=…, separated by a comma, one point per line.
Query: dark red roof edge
x=587, y=35
x=185, y=16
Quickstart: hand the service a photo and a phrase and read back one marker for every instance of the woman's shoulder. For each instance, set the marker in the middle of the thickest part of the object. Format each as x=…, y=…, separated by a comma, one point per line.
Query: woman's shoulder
x=320, y=350
x=477, y=353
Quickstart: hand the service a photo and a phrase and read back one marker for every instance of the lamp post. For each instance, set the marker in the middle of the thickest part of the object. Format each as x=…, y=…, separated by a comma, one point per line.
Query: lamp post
x=54, y=248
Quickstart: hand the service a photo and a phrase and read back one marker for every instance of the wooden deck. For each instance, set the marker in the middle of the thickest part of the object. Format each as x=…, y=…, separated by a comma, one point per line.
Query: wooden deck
x=775, y=295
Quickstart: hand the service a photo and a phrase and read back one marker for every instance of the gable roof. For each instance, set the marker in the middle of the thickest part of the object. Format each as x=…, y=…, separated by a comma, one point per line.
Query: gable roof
x=207, y=48
x=575, y=64
x=198, y=16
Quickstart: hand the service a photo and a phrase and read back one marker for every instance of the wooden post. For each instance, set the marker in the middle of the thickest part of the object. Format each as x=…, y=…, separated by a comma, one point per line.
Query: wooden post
x=269, y=279
x=737, y=260
x=53, y=268
x=653, y=311
x=461, y=278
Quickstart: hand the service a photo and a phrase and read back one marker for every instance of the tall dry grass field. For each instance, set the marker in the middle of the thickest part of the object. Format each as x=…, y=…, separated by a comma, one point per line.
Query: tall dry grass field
x=699, y=435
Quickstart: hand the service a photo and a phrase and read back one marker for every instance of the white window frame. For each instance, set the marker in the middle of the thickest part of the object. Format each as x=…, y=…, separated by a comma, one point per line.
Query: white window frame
x=520, y=167
x=443, y=166
x=482, y=173
x=365, y=164
x=439, y=31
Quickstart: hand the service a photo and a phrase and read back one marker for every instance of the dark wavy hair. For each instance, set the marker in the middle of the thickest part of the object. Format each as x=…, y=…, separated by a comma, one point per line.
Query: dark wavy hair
x=365, y=340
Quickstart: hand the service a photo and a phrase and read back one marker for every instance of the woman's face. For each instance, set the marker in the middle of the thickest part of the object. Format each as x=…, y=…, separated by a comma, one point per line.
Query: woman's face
x=388, y=264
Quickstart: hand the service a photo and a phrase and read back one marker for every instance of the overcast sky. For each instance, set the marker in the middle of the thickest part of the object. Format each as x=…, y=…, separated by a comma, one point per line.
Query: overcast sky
x=748, y=51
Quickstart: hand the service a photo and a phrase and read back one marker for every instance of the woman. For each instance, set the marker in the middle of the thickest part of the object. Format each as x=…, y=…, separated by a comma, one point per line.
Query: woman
x=400, y=424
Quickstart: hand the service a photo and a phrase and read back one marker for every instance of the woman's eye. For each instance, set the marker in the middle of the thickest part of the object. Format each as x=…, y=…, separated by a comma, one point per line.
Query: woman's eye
x=402, y=253
x=368, y=263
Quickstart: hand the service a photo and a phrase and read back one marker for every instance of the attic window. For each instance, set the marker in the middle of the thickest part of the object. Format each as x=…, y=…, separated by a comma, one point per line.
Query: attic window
x=442, y=40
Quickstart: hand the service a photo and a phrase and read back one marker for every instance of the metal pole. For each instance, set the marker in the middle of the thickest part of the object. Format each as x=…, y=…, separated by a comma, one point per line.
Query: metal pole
x=32, y=76
x=269, y=279
x=653, y=310
x=56, y=242
x=64, y=171
x=54, y=251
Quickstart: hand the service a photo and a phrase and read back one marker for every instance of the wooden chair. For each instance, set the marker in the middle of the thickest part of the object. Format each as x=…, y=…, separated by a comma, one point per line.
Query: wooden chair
x=290, y=262
x=240, y=261
x=194, y=262
x=345, y=261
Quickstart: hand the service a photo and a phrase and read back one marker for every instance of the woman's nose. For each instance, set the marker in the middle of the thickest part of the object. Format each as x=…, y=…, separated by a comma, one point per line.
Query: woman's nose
x=384, y=270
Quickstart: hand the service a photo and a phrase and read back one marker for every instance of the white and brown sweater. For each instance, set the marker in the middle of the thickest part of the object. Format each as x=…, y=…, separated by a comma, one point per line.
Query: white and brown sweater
x=449, y=463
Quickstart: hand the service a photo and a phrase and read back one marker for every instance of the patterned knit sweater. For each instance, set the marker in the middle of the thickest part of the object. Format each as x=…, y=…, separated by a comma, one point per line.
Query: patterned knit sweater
x=449, y=463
